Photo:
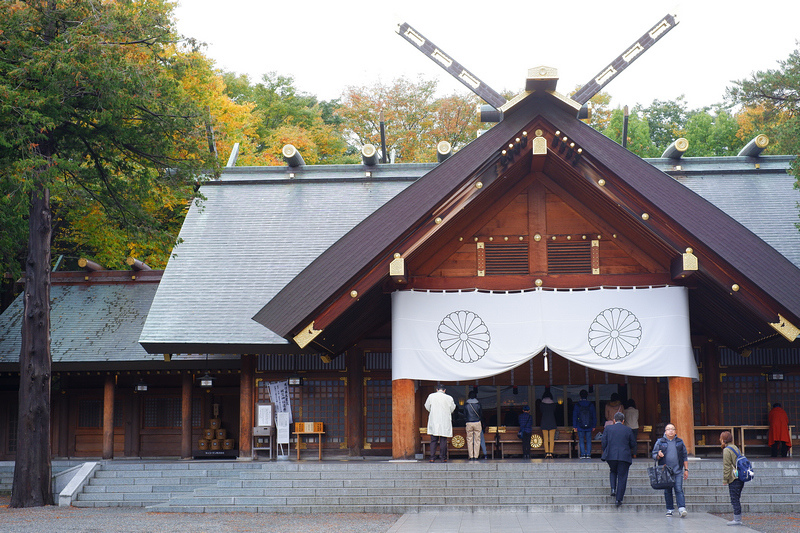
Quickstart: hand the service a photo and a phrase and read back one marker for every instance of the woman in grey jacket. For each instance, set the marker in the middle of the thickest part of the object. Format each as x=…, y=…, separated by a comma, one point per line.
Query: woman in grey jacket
x=474, y=430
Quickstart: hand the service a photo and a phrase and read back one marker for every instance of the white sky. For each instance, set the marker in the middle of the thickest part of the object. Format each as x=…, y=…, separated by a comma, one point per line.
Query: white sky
x=328, y=45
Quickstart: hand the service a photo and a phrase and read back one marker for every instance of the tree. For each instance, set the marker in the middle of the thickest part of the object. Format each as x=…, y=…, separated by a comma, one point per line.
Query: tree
x=666, y=121
x=415, y=120
x=91, y=103
x=638, y=140
x=770, y=102
x=285, y=115
x=712, y=135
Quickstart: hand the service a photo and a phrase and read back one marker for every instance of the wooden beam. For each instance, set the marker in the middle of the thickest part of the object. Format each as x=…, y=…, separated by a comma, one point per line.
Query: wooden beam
x=354, y=359
x=560, y=281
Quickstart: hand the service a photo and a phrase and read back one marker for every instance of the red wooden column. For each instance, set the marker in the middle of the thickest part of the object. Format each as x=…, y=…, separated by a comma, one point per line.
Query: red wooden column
x=355, y=401
x=681, y=409
x=404, y=420
x=108, y=418
x=247, y=385
x=650, y=409
x=186, y=416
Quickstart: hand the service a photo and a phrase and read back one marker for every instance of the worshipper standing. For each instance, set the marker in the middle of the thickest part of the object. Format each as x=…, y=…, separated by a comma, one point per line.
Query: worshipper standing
x=440, y=422
x=779, y=438
x=618, y=446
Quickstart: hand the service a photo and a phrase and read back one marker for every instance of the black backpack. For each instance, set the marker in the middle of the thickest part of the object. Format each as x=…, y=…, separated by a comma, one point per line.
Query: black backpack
x=585, y=417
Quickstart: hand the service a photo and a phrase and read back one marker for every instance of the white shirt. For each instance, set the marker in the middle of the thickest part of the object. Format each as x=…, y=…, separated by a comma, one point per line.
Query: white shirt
x=440, y=406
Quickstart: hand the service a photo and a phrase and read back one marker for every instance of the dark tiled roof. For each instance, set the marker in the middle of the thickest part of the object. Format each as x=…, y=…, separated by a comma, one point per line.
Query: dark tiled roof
x=256, y=230
x=696, y=219
x=90, y=322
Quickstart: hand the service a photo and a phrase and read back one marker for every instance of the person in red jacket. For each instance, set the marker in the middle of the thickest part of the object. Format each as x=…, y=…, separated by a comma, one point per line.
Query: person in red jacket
x=779, y=437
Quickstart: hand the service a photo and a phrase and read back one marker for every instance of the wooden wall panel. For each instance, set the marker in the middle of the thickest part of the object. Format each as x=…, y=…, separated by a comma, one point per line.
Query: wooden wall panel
x=461, y=264
x=563, y=220
x=511, y=221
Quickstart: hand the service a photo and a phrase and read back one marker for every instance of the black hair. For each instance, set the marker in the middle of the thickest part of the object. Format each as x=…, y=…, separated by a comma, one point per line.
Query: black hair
x=584, y=394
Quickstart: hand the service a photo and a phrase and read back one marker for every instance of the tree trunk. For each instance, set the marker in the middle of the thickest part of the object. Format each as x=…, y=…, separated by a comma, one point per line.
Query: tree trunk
x=32, y=472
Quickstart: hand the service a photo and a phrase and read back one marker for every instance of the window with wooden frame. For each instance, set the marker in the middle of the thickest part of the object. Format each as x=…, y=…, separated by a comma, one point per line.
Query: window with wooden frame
x=321, y=400
x=90, y=413
x=744, y=400
x=377, y=412
x=165, y=412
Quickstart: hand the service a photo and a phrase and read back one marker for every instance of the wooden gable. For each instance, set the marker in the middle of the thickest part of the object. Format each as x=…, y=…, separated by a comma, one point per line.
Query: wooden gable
x=535, y=233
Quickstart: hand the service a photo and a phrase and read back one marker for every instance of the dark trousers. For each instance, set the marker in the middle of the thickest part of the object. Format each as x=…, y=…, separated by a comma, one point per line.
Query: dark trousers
x=619, y=477
x=779, y=445
x=526, y=444
x=441, y=442
x=735, y=489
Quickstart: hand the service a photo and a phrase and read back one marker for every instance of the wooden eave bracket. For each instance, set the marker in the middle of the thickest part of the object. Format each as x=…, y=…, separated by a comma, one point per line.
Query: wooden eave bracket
x=308, y=334
x=786, y=328
x=683, y=266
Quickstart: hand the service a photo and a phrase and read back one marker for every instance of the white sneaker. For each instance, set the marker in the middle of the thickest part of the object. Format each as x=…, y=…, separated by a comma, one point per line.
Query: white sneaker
x=669, y=512
x=682, y=512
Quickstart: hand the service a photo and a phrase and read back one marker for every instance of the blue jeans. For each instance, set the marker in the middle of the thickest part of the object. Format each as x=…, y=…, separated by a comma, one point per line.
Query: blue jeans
x=678, y=492
x=585, y=441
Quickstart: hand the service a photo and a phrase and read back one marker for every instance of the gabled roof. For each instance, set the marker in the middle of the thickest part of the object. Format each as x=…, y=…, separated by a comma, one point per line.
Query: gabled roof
x=255, y=231
x=97, y=321
x=663, y=213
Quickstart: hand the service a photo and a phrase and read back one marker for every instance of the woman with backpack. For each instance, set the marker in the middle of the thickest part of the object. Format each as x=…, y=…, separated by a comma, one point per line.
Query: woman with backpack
x=730, y=454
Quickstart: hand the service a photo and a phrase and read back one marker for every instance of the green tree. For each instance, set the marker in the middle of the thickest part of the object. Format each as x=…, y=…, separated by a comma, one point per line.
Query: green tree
x=770, y=102
x=638, y=141
x=666, y=121
x=91, y=103
x=712, y=135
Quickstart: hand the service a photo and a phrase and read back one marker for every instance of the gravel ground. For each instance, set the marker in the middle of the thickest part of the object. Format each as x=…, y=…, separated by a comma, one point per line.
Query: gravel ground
x=769, y=522
x=135, y=520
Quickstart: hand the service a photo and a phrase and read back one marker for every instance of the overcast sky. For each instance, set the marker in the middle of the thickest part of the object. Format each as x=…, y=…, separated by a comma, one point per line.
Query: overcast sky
x=327, y=45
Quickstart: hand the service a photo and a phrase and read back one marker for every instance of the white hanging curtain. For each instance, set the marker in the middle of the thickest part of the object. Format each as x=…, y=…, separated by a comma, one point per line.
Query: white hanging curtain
x=454, y=336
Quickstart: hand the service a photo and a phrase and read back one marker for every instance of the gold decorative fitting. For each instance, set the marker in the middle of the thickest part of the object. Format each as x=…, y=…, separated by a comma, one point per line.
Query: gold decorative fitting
x=537, y=237
x=353, y=294
x=564, y=139
x=476, y=239
x=645, y=216
x=438, y=220
x=569, y=237
x=613, y=235
x=538, y=282
x=538, y=133
x=599, y=237
x=580, y=150
x=553, y=237
x=491, y=239
x=786, y=328
x=307, y=335
x=461, y=239
x=601, y=182
x=521, y=238
x=735, y=287
x=510, y=146
x=558, y=132
x=396, y=255
x=505, y=238
x=478, y=185
x=584, y=237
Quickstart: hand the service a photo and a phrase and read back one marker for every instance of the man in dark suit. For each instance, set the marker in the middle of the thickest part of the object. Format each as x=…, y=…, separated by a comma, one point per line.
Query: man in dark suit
x=619, y=445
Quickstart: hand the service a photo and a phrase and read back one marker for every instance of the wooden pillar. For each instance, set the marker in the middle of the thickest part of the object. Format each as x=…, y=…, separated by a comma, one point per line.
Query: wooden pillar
x=186, y=415
x=246, y=398
x=404, y=419
x=355, y=401
x=136, y=425
x=713, y=403
x=108, y=418
x=681, y=410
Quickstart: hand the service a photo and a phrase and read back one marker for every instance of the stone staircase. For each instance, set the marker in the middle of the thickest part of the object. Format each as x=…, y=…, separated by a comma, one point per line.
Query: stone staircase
x=506, y=486
x=384, y=486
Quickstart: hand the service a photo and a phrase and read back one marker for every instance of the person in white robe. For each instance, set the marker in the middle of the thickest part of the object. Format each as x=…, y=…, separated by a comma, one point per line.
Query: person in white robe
x=440, y=407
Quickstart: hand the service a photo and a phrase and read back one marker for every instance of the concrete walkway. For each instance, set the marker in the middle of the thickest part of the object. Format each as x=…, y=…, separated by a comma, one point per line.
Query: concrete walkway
x=610, y=522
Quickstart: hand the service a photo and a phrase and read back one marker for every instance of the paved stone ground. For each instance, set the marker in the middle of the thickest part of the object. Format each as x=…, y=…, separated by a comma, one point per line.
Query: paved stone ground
x=137, y=520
